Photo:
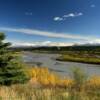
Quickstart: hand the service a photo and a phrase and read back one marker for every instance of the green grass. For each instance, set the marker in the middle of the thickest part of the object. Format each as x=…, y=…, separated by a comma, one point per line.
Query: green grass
x=79, y=58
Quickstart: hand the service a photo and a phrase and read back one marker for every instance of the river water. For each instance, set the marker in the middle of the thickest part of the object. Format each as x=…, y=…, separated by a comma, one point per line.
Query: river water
x=59, y=67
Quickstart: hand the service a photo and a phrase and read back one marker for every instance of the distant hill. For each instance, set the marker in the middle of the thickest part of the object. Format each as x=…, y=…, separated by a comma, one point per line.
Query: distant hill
x=83, y=47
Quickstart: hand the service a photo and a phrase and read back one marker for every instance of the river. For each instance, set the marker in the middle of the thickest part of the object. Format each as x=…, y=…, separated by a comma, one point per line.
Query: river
x=59, y=67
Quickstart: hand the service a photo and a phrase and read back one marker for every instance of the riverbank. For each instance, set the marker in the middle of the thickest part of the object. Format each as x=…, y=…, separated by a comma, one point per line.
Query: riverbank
x=59, y=67
x=79, y=58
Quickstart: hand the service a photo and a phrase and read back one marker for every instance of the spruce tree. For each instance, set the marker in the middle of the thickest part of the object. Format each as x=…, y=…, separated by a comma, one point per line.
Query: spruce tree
x=11, y=71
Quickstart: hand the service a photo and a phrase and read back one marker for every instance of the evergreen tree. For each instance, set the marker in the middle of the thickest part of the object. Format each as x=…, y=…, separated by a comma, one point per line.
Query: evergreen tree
x=11, y=71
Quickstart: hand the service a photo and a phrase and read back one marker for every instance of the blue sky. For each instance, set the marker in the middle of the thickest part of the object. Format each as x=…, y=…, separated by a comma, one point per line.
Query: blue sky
x=50, y=22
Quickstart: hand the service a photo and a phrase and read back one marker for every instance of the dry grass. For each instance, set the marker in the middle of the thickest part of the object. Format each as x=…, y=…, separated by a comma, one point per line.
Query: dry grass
x=44, y=85
x=28, y=92
x=44, y=77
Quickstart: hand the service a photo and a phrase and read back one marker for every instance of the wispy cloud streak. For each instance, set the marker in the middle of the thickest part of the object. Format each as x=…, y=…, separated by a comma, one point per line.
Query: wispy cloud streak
x=48, y=34
x=43, y=33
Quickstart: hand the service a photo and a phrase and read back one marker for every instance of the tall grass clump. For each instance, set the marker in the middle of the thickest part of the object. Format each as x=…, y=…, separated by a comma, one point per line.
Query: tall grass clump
x=79, y=77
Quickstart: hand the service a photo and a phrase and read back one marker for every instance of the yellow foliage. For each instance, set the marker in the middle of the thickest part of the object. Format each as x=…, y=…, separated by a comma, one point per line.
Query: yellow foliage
x=44, y=77
x=94, y=81
x=66, y=82
x=47, y=78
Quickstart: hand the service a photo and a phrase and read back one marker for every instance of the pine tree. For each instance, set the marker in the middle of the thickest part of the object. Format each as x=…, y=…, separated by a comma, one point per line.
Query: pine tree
x=11, y=71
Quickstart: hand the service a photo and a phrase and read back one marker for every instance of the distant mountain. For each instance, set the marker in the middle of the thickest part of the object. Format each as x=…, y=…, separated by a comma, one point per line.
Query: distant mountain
x=87, y=44
x=38, y=46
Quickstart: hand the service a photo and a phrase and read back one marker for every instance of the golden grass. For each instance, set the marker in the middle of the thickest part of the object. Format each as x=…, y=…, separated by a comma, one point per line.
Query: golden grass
x=27, y=92
x=45, y=85
x=44, y=77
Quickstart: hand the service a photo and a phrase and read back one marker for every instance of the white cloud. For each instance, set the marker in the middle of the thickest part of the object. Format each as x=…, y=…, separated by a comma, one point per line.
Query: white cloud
x=96, y=41
x=41, y=43
x=73, y=15
x=58, y=19
x=70, y=15
x=16, y=43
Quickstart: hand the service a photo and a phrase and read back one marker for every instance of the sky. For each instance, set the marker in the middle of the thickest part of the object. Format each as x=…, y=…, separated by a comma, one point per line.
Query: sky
x=50, y=22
